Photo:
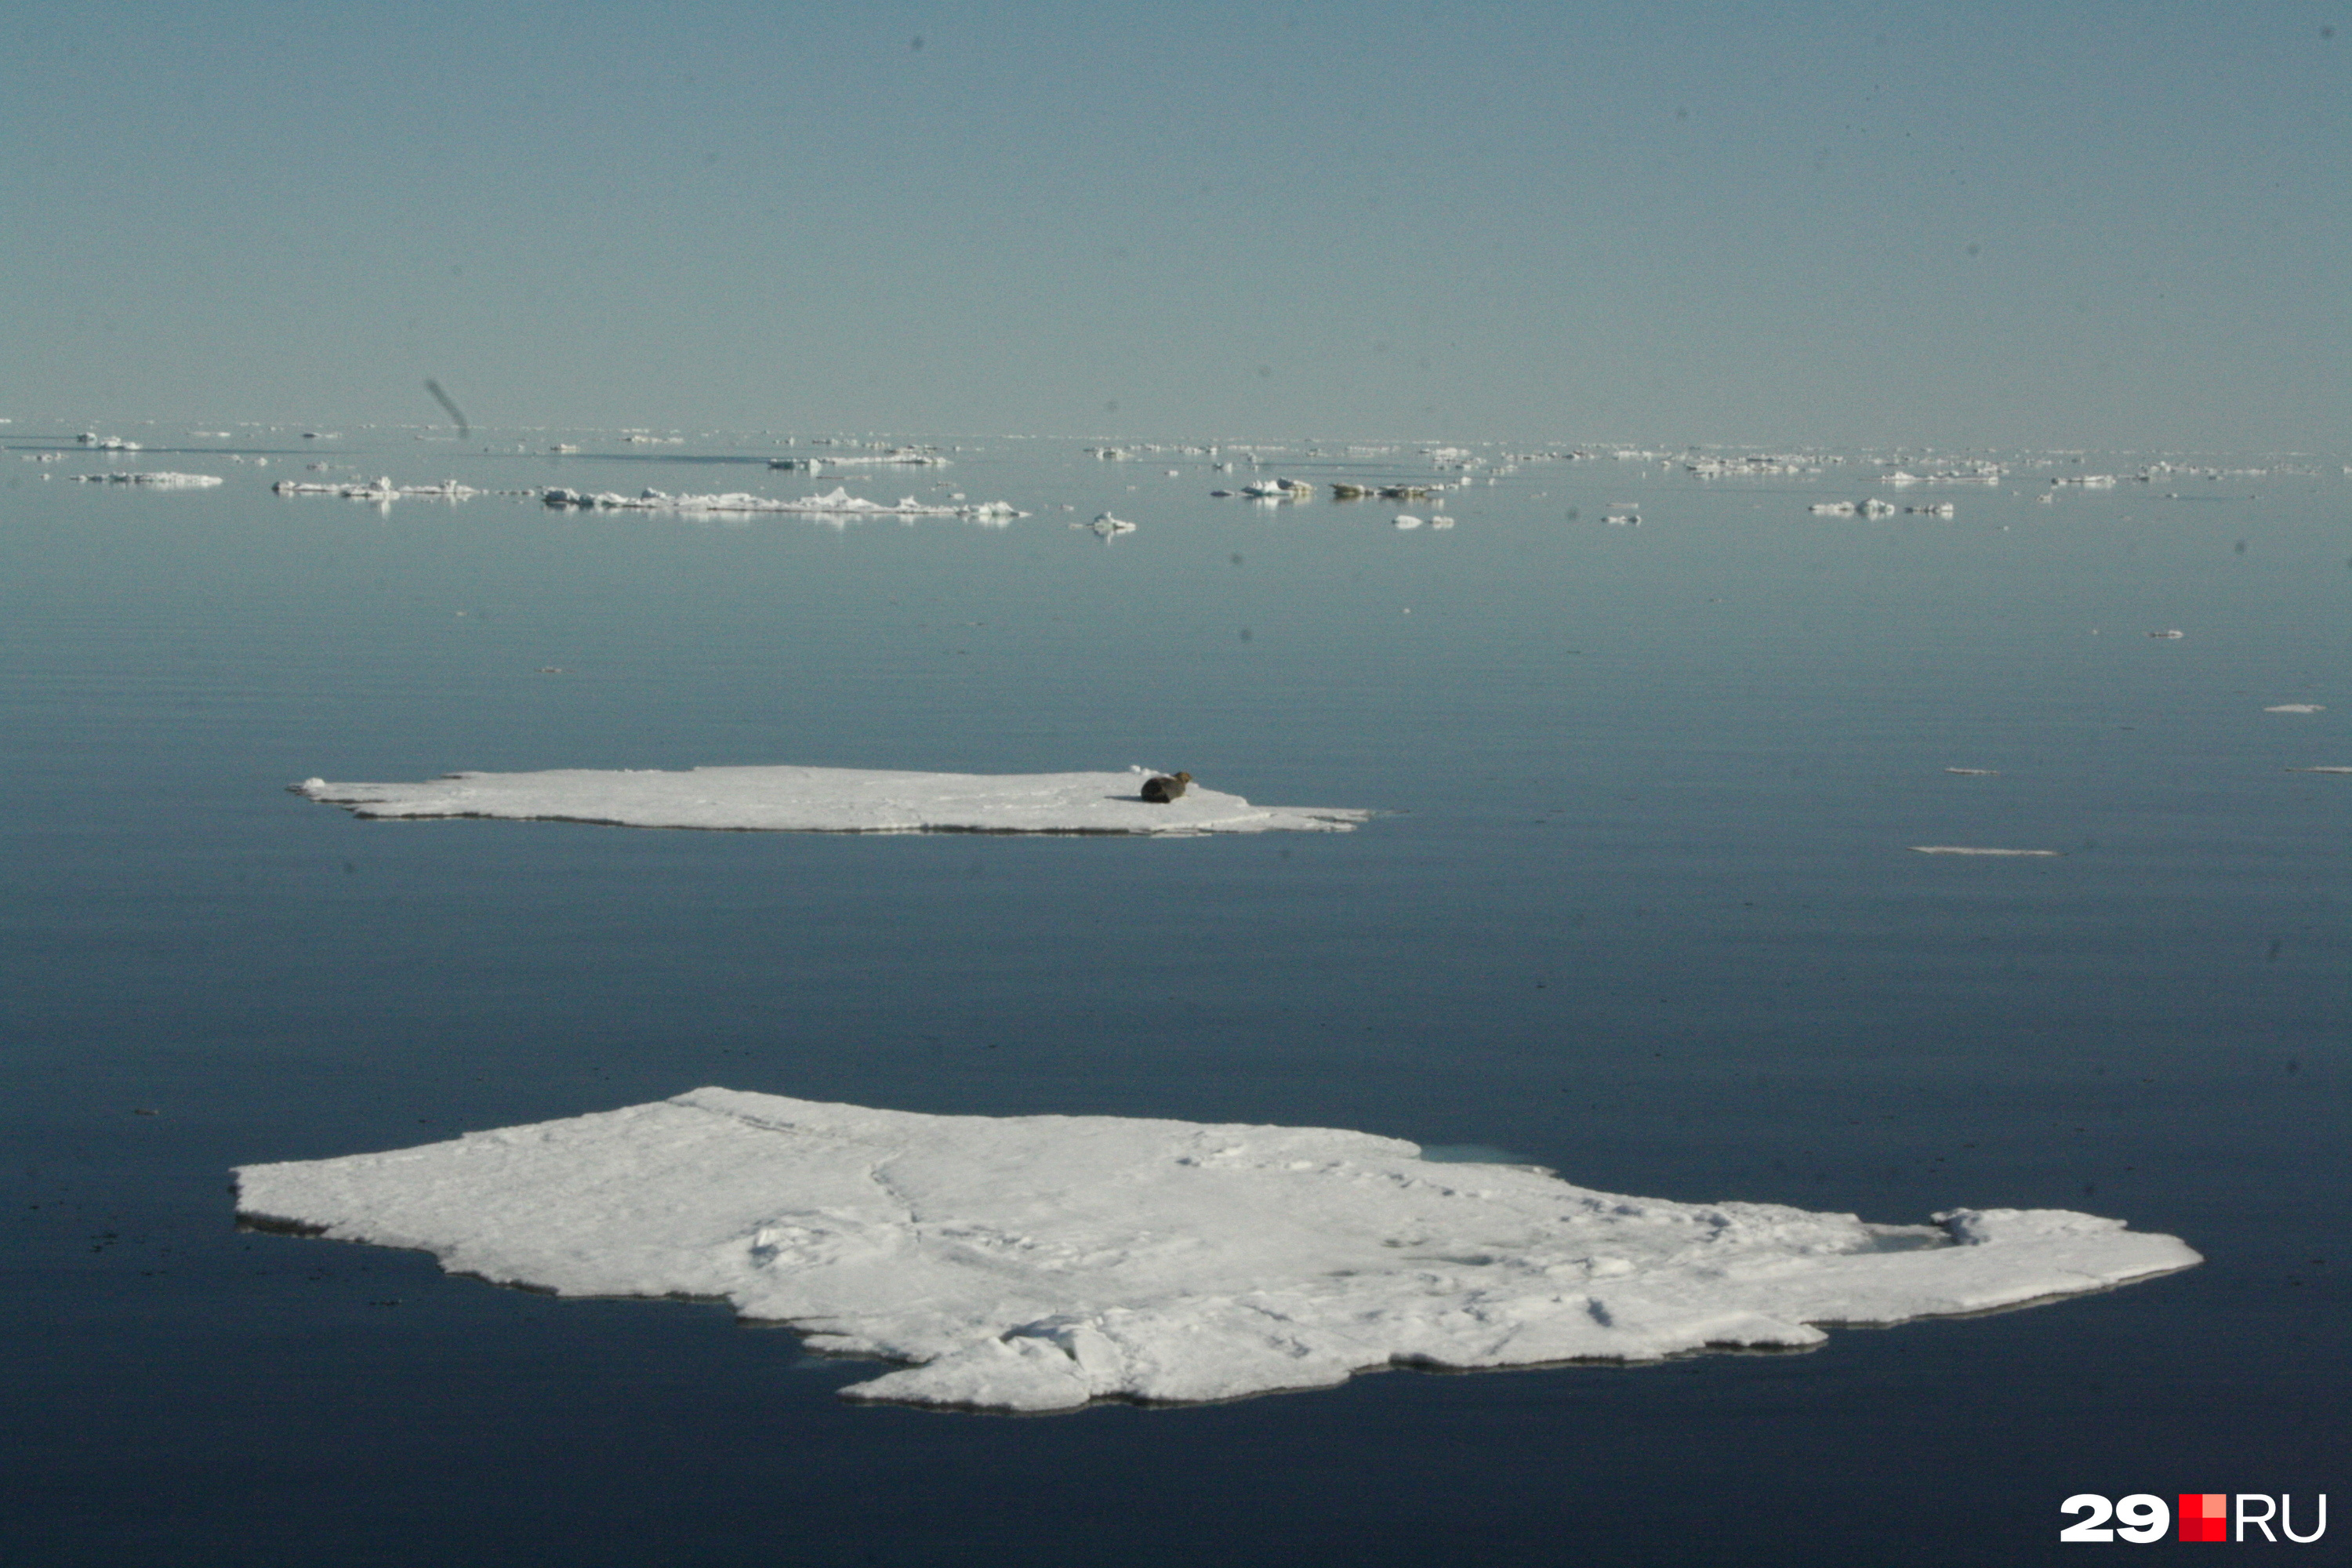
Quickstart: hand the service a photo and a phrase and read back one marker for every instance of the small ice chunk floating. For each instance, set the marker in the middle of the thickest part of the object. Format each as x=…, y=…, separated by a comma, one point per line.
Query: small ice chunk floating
x=839, y=502
x=162, y=481
x=831, y=800
x=1038, y=1263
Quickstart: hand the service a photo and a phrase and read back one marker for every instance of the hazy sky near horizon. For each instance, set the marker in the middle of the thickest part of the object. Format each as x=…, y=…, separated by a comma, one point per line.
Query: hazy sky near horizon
x=1960, y=224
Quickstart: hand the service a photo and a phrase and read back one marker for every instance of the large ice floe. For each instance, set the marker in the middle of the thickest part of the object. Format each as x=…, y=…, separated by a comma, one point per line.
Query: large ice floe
x=837, y=503
x=1037, y=1263
x=832, y=800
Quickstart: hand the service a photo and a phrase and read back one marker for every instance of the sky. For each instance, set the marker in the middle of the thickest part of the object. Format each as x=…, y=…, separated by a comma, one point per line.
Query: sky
x=1951, y=224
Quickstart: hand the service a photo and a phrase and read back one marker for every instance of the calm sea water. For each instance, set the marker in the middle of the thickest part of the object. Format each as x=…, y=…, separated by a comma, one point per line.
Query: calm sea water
x=1640, y=909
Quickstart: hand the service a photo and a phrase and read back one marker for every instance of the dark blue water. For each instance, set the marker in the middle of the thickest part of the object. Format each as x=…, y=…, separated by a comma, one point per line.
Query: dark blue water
x=1642, y=910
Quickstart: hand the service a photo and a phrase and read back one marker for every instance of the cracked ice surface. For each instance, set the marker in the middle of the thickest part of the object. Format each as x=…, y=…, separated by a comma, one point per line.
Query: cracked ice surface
x=1039, y=1262
x=832, y=800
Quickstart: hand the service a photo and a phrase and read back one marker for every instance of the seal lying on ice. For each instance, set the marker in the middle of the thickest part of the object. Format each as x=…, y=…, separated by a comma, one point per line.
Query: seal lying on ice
x=1161, y=788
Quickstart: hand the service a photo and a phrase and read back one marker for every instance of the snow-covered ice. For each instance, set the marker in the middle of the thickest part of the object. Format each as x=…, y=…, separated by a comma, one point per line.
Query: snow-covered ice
x=1278, y=489
x=377, y=489
x=161, y=480
x=2296, y=708
x=831, y=800
x=1977, y=850
x=910, y=456
x=838, y=503
x=1037, y=1263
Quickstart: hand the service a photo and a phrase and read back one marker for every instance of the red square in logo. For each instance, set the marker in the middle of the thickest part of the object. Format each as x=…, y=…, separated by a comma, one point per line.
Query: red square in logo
x=2204, y=1516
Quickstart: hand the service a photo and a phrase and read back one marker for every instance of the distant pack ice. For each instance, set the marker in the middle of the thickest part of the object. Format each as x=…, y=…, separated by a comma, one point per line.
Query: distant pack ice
x=1037, y=1263
x=832, y=800
x=836, y=504
x=161, y=481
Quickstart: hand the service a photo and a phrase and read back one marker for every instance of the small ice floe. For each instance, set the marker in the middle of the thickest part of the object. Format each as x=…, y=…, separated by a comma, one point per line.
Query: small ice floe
x=1873, y=507
x=1406, y=520
x=1342, y=491
x=1106, y=526
x=831, y=800
x=377, y=489
x=2087, y=481
x=1832, y=509
x=1404, y=492
x=838, y=503
x=2170, y=635
x=1979, y=849
x=97, y=442
x=1623, y=518
x=1277, y=489
x=561, y=448
x=1933, y=509
x=1441, y=520
x=1039, y=1263
x=162, y=481
x=1976, y=773
x=2296, y=708
x=322, y=435
x=903, y=457
x=2324, y=768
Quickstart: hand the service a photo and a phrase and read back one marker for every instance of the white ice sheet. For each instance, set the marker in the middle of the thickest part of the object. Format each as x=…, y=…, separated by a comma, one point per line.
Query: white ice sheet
x=835, y=503
x=162, y=481
x=1979, y=848
x=1040, y=1262
x=832, y=800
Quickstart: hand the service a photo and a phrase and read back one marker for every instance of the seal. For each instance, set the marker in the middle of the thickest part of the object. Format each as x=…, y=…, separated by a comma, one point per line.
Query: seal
x=1160, y=787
